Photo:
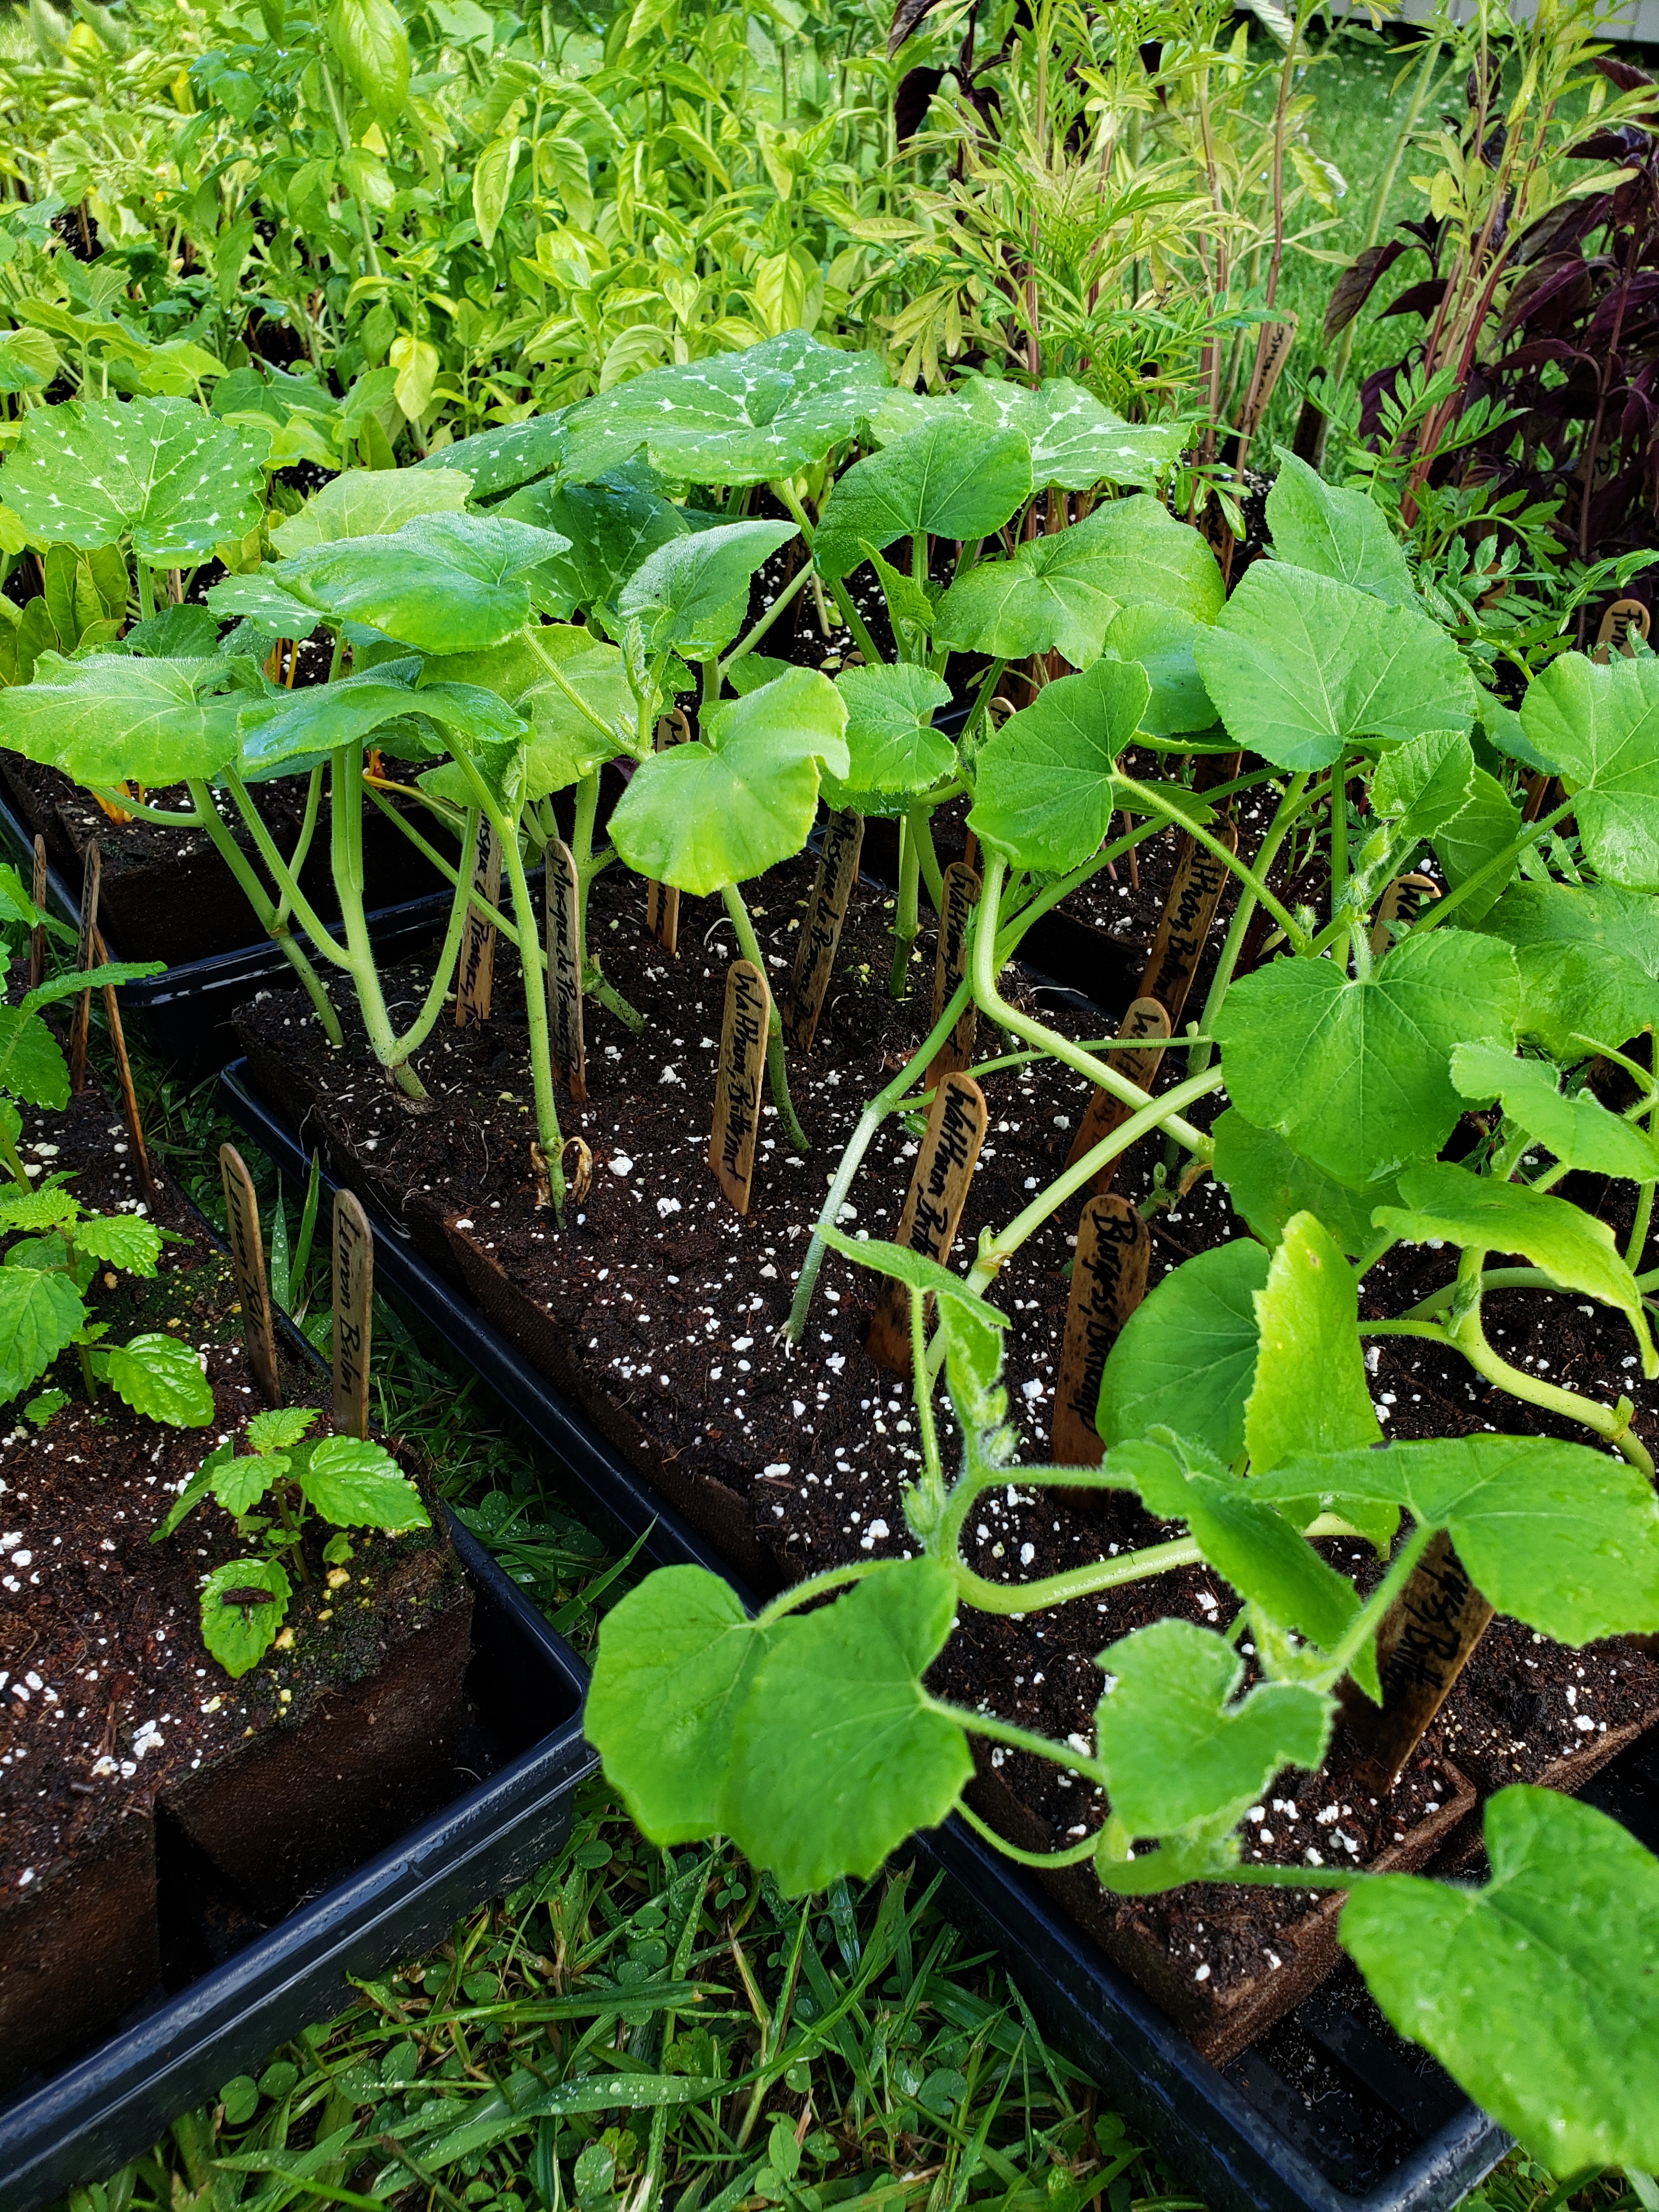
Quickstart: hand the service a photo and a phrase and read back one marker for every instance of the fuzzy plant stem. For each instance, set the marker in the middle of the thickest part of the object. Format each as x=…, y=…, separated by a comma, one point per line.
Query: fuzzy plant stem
x=346, y=816
x=1290, y=806
x=777, y=1071
x=587, y=867
x=279, y=933
x=906, y=919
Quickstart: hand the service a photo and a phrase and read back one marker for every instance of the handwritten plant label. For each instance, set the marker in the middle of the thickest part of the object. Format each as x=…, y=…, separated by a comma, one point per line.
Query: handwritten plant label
x=354, y=1314
x=37, y=934
x=820, y=933
x=1138, y=1064
x=1273, y=350
x=564, y=969
x=662, y=901
x=737, y=1086
x=1183, y=929
x=960, y=887
x=248, y=1260
x=475, y=979
x=1625, y=620
x=90, y=879
x=118, y=1037
x=1109, y=1281
x=1422, y=1648
x=932, y=1206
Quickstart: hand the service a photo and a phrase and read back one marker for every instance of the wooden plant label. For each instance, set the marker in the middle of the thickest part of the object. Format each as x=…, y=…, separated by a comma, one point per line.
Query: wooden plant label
x=932, y=1206
x=738, y=1087
x=1273, y=350
x=564, y=969
x=1624, y=620
x=962, y=888
x=1200, y=877
x=1422, y=1648
x=662, y=901
x=248, y=1260
x=37, y=934
x=1109, y=1281
x=124, y=1068
x=820, y=933
x=83, y=960
x=1139, y=1064
x=354, y=1314
x=475, y=980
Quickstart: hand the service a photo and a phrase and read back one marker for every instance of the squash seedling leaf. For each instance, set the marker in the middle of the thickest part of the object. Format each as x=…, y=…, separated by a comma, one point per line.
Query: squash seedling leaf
x=1043, y=789
x=952, y=478
x=1185, y=1358
x=175, y=479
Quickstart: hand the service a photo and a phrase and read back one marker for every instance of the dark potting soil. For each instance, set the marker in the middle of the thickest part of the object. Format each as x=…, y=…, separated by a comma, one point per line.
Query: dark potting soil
x=658, y=1307
x=110, y=1704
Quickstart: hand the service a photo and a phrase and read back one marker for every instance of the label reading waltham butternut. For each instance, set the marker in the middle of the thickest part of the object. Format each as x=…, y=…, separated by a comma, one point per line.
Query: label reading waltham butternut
x=1200, y=877
x=248, y=1260
x=1109, y=1281
x=354, y=1314
x=932, y=1206
x=564, y=969
x=474, y=978
x=961, y=888
x=1138, y=1065
x=1624, y=621
x=84, y=956
x=820, y=932
x=738, y=1085
x=1422, y=1648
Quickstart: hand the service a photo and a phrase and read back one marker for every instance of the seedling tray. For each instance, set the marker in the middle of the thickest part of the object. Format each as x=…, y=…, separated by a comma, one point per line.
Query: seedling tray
x=524, y=1740
x=185, y=1013
x=1244, y=2138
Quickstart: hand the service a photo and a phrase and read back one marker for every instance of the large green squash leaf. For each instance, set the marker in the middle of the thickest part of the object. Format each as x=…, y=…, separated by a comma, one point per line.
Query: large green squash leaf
x=1564, y=1538
x=111, y=717
x=1185, y=1358
x=1043, y=783
x=444, y=583
x=174, y=478
x=1539, y=1992
x=1344, y=534
x=1356, y=1076
x=728, y=808
x=1177, y=1751
x=1301, y=668
x=1572, y=1246
x=836, y=1757
x=1060, y=592
x=893, y=747
x=325, y=715
x=1599, y=729
x=692, y=592
x=1162, y=638
x=499, y=460
x=1268, y=1182
x=371, y=503
x=736, y=418
x=1075, y=443
x=953, y=477
x=676, y=1659
x=1589, y=958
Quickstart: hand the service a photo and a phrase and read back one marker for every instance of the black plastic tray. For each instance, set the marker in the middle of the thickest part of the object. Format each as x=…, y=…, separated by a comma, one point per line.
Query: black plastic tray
x=525, y=1688
x=185, y=1013
x=1245, y=2137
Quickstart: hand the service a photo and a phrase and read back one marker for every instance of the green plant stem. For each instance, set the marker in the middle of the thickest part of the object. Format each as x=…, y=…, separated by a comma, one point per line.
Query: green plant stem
x=1074, y=1856
x=747, y=643
x=588, y=714
x=784, y=491
x=1147, y=801
x=884, y=1103
x=254, y=891
x=307, y=831
x=998, y=1730
x=986, y=1596
x=777, y=1069
x=817, y=1586
x=922, y=1394
x=1370, y=1615
x=141, y=813
x=991, y=1002
x=433, y=1005
x=346, y=823
x=146, y=588
x=1497, y=868
x=906, y=920
x=1292, y=803
x=920, y=823
x=1638, y=1244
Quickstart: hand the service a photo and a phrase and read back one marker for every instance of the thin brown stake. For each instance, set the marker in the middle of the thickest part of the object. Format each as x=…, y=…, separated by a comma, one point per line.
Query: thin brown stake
x=124, y=1070
x=89, y=881
x=37, y=934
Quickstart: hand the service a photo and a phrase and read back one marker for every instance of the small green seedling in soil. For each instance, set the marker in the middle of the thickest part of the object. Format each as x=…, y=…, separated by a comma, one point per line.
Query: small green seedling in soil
x=342, y=1480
